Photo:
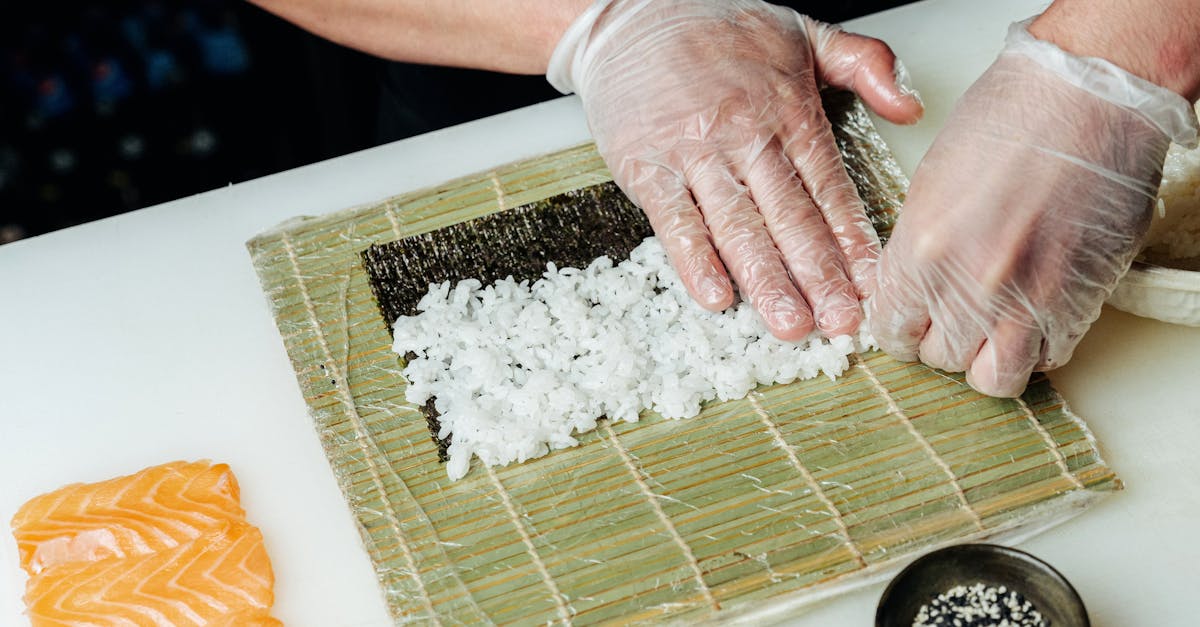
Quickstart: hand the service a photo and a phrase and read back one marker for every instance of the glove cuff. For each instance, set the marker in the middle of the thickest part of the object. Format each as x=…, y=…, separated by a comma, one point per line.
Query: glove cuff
x=1165, y=109
x=568, y=53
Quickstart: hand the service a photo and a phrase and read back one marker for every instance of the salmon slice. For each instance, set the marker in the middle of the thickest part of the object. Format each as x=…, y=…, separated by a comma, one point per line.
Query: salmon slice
x=158, y=508
x=222, y=578
x=167, y=546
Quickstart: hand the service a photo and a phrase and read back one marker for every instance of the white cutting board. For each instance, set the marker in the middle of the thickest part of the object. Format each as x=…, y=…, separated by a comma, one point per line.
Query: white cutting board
x=145, y=338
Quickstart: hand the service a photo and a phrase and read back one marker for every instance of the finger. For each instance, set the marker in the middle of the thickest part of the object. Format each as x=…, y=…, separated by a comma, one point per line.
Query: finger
x=1058, y=351
x=678, y=224
x=956, y=328
x=1060, y=316
x=950, y=344
x=899, y=317
x=1006, y=359
x=801, y=235
x=749, y=253
x=869, y=68
x=808, y=142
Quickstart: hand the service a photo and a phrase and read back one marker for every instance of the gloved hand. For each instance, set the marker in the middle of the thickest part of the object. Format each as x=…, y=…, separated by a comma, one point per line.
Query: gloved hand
x=707, y=112
x=1024, y=214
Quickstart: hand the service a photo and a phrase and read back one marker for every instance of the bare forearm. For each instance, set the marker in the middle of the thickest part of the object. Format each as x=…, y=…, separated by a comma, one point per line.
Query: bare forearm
x=514, y=36
x=1158, y=40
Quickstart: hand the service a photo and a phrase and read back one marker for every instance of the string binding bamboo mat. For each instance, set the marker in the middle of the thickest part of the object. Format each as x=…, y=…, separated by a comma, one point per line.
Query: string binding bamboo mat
x=748, y=511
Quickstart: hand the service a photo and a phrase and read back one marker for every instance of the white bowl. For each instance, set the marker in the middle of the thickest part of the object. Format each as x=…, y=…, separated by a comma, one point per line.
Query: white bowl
x=1160, y=292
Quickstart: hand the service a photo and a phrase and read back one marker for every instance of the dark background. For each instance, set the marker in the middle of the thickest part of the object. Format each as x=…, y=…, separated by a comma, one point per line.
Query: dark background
x=110, y=106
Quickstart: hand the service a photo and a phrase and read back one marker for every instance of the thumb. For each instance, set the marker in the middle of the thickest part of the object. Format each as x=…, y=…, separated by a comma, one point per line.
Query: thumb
x=866, y=66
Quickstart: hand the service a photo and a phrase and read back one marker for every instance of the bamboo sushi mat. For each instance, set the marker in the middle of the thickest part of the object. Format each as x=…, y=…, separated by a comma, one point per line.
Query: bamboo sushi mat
x=765, y=502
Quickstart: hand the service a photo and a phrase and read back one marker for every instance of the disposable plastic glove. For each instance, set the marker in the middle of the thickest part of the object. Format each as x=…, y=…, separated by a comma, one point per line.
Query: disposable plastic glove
x=1024, y=214
x=708, y=115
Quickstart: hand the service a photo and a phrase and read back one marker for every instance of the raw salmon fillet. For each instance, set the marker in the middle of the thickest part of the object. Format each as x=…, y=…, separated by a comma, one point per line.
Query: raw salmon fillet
x=157, y=508
x=218, y=577
x=166, y=546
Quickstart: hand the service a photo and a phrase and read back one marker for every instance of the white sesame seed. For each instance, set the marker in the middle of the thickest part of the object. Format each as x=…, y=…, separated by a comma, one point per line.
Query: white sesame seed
x=979, y=605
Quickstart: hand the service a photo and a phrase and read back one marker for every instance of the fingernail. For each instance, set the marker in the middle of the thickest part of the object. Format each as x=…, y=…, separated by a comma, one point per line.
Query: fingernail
x=985, y=377
x=714, y=291
x=904, y=81
x=840, y=320
x=788, y=322
x=785, y=318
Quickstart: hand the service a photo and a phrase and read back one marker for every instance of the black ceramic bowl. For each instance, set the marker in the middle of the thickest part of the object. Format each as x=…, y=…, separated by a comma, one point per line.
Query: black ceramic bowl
x=965, y=564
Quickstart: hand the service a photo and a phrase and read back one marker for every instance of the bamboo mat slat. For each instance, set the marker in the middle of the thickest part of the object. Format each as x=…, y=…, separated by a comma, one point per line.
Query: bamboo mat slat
x=761, y=502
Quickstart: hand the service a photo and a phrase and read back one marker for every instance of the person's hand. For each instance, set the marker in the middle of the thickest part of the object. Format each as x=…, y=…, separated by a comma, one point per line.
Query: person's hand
x=1024, y=214
x=708, y=114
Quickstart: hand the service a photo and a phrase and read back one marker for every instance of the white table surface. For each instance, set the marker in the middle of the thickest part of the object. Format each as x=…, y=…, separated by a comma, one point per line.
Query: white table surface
x=145, y=338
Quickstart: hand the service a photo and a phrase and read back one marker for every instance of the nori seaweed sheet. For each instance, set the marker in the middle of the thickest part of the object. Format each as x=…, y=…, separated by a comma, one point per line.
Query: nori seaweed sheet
x=880, y=182
x=570, y=229
x=574, y=228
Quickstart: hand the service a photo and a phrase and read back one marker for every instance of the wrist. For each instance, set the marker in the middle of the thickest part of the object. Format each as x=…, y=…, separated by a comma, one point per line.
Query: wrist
x=568, y=49
x=1157, y=40
x=555, y=22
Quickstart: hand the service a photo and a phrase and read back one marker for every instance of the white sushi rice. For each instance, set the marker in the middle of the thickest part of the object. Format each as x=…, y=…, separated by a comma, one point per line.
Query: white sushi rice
x=518, y=370
x=1175, y=229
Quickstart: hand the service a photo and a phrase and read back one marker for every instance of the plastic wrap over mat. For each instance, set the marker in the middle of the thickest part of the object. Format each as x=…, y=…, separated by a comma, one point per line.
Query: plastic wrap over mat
x=742, y=514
